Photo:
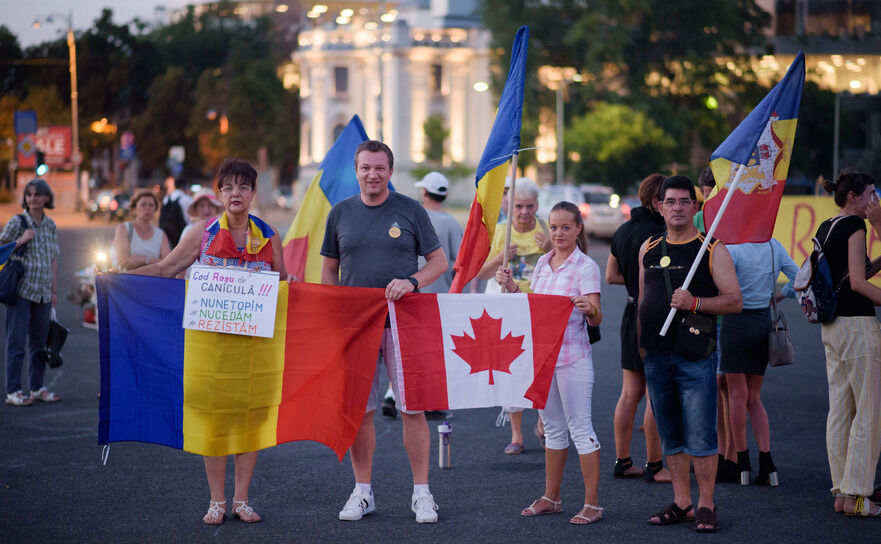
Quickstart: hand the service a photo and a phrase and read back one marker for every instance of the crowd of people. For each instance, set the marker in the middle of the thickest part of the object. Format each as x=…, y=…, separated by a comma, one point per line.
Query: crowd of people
x=702, y=379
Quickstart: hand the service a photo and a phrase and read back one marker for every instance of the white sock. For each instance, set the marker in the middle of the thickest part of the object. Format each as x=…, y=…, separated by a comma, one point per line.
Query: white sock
x=365, y=488
x=419, y=488
x=390, y=394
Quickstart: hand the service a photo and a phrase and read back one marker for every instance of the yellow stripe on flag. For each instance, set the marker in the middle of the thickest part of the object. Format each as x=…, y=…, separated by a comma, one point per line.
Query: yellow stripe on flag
x=232, y=388
x=310, y=223
x=490, y=190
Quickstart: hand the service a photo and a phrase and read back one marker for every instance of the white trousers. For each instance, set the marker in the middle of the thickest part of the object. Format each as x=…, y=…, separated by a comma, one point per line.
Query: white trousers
x=568, y=408
x=853, y=427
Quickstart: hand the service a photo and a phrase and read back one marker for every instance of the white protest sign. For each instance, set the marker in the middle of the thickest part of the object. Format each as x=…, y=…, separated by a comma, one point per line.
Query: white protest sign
x=231, y=300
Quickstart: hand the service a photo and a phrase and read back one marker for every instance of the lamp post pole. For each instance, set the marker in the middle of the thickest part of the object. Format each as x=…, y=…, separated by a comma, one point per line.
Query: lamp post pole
x=75, y=155
x=560, y=151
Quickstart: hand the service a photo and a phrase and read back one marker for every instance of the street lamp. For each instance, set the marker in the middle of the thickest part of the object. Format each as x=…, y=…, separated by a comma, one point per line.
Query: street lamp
x=557, y=79
x=75, y=157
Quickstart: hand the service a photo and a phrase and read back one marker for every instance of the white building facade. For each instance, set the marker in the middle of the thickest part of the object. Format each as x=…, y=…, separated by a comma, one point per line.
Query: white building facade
x=394, y=64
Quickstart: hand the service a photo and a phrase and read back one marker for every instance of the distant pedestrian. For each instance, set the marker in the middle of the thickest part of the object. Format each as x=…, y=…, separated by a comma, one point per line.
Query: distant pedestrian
x=27, y=319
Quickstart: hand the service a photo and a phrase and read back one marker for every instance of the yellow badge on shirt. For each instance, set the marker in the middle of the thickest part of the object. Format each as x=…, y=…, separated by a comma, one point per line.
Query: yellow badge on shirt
x=394, y=231
x=665, y=261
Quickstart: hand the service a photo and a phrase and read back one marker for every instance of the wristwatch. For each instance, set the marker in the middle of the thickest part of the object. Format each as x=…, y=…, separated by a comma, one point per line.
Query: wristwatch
x=415, y=283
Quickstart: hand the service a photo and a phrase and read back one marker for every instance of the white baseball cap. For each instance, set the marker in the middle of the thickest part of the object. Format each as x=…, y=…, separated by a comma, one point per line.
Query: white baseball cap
x=435, y=183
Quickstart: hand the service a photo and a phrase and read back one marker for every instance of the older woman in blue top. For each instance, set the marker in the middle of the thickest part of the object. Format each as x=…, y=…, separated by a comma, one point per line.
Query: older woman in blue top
x=744, y=349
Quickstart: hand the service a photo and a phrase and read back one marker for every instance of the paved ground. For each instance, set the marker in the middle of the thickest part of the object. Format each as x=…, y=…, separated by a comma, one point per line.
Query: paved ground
x=54, y=487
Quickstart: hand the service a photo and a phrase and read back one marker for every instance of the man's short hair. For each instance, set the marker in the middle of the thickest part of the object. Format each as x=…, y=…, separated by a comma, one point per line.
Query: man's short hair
x=677, y=182
x=649, y=189
x=436, y=198
x=374, y=146
x=236, y=169
x=706, y=178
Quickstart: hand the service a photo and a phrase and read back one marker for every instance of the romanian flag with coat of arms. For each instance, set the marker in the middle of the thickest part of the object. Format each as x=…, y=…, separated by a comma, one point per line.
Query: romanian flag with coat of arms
x=503, y=143
x=763, y=143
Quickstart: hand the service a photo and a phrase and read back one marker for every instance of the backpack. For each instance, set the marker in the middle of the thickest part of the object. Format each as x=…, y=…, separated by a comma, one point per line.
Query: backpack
x=172, y=221
x=815, y=289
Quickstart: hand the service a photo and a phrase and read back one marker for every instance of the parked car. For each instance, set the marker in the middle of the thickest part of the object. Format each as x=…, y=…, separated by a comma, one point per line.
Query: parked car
x=603, y=211
x=109, y=204
x=549, y=195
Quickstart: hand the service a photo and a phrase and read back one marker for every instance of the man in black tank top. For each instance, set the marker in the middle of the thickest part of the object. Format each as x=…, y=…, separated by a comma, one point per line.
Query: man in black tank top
x=683, y=392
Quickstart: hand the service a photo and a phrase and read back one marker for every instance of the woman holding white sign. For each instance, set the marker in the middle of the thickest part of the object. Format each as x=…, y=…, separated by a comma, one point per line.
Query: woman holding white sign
x=235, y=239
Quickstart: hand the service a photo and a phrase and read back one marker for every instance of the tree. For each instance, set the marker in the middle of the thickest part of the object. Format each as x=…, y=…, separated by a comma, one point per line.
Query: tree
x=661, y=57
x=617, y=146
x=435, y=136
x=169, y=99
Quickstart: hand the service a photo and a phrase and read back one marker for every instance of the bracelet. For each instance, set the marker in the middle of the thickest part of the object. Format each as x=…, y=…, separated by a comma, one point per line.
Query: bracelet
x=696, y=306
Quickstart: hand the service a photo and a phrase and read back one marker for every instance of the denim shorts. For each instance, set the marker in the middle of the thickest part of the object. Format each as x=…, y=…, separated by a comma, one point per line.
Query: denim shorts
x=683, y=395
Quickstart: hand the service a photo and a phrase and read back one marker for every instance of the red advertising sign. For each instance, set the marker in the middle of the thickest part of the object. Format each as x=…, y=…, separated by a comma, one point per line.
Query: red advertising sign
x=54, y=142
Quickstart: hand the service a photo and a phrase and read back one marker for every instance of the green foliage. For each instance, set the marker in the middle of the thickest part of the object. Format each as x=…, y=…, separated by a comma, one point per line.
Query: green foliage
x=435, y=136
x=161, y=82
x=657, y=56
x=455, y=171
x=618, y=145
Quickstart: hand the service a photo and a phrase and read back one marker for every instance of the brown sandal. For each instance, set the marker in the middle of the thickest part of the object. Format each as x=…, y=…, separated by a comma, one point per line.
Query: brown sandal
x=671, y=514
x=705, y=520
x=531, y=510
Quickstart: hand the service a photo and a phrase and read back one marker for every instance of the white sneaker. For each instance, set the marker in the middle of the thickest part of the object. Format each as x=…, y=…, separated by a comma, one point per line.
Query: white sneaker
x=424, y=507
x=357, y=506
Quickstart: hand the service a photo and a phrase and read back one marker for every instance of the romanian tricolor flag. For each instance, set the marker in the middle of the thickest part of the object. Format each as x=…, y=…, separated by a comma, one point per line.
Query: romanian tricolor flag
x=763, y=142
x=5, y=252
x=503, y=143
x=334, y=181
x=219, y=394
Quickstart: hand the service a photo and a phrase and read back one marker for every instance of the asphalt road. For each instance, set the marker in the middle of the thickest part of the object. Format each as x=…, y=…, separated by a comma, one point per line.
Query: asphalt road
x=54, y=487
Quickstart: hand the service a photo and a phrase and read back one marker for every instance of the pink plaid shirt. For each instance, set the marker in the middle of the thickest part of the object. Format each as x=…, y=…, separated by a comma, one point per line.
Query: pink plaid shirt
x=578, y=275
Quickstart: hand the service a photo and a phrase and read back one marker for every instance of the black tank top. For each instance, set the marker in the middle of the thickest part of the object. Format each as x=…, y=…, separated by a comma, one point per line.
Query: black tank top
x=655, y=303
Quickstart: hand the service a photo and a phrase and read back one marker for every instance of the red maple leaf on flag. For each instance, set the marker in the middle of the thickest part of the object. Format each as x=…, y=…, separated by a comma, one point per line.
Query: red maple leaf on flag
x=488, y=350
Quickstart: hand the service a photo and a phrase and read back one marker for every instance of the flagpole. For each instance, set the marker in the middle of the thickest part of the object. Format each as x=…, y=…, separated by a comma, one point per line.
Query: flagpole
x=509, y=212
x=703, y=248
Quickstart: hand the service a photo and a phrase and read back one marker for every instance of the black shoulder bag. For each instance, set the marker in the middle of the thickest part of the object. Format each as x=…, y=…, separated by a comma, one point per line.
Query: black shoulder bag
x=695, y=331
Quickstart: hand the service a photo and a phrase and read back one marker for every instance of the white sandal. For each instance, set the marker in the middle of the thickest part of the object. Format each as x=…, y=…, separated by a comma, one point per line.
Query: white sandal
x=44, y=395
x=587, y=520
x=530, y=511
x=216, y=512
x=244, y=512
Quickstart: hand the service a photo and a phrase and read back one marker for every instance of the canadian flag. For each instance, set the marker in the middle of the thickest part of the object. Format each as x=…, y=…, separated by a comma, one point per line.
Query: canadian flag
x=476, y=351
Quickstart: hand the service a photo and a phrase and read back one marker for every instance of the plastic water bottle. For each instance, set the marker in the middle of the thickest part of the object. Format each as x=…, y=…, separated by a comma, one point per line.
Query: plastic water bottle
x=444, y=434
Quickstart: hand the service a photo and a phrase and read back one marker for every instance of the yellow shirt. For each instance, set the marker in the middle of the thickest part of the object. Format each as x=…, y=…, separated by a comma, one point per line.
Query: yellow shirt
x=528, y=252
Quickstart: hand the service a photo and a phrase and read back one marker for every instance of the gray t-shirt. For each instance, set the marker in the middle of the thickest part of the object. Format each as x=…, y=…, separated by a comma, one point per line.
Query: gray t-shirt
x=450, y=235
x=376, y=244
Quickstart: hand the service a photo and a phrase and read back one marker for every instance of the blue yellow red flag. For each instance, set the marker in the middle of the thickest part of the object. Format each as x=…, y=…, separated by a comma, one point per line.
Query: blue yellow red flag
x=763, y=143
x=216, y=394
x=5, y=252
x=503, y=143
x=334, y=181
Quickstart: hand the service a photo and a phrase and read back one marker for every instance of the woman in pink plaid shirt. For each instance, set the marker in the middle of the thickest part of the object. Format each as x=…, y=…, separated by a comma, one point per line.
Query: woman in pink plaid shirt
x=566, y=270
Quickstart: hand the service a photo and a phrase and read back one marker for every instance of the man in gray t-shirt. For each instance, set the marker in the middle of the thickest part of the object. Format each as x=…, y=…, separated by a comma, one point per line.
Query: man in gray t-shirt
x=434, y=187
x=373, y=239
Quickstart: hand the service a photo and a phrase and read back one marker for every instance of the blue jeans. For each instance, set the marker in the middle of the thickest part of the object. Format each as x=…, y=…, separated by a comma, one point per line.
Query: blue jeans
x=683, y=395
x=26, y=320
